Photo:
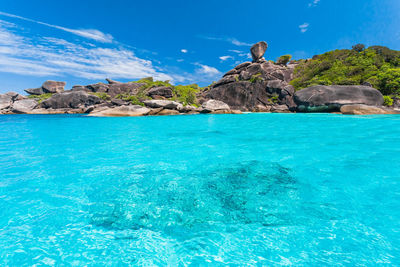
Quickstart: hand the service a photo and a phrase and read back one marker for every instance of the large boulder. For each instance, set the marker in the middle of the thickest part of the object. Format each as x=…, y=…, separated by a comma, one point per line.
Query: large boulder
x=214, y=105
x=121, y=111
x=258, y=51
x=24, y=106
x=322, y=98
x=5, y=101
x=163, y=91
x=71, y=99
x=53, y=87
x=359, y=109
x=123, y=88
x=35, y=91
x=166, y=104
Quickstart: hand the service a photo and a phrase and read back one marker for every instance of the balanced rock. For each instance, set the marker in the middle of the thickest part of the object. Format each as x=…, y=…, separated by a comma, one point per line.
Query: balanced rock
x=121, y=111
x=258, y=51
x=24, y=106
x=71, y=99
x=53, y=87
x=322, y=98
x=251, y=85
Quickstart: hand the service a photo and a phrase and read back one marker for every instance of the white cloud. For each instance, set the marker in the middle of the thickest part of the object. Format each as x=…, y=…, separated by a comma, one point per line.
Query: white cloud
x=235, y=51
x=48, y=56
x=207, y=70
x=184, y=51
x=304, y=27
x=231, y=40
x=223, y=58
x=92, y=34
x=314, y=3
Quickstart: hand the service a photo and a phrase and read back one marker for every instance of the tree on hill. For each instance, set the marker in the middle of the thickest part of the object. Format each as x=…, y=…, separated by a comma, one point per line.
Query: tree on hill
x=377, y=65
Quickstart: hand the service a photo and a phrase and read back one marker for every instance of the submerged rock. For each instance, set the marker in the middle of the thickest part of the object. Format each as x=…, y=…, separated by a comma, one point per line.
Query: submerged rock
x=321, y=98
x=179, y=202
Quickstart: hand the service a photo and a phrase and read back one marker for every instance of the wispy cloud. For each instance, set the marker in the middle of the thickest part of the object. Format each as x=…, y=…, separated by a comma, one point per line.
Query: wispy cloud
x=207, y=70
x=314, y=3
x=231, y=40
x=92, y=34
x=224, y=58
x=184, y=51
x=48, y=56
x=304, y=27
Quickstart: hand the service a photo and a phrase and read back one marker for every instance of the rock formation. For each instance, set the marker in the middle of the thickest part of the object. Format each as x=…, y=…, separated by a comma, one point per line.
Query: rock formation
x=258, y=51
x=47, y=87
x=255, y=86
x=322, y=98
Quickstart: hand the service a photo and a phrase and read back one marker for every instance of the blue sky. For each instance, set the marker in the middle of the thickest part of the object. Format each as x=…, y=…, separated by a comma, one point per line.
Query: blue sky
x=83, y=42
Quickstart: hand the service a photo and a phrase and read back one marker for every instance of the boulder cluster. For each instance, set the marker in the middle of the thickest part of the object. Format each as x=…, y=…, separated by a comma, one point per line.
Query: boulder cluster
x=257, y=86
x=104, y=100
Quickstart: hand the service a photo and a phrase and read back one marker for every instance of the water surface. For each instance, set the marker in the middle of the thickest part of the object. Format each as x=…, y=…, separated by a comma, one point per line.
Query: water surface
x=200, y=190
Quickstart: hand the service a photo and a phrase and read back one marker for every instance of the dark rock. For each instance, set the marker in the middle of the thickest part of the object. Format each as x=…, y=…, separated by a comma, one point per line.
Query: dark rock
x=242, y=65
x=80, y=88
x=163, y=91
x=123, y=88
x=71, y=99
x=231, y=72
x=118, y=102
x=53, y=87
x=227, y=79
x=98, y=87
x=35, y=91
x=330, y=98
x=258, y=51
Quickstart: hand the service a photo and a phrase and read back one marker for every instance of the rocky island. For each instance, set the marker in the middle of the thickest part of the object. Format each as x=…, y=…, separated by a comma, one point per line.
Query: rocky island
x=257, y=86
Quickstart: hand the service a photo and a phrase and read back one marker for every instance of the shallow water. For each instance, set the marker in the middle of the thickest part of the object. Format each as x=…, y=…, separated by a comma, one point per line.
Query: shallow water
x=251, y=189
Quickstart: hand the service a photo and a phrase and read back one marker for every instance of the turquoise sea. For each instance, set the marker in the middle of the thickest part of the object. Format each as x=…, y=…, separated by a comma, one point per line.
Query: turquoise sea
x=200, y=190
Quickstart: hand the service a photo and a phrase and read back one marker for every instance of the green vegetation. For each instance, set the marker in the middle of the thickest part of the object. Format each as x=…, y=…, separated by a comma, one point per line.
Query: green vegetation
x=185, y=94
x=134, y=99
x=274, y=99
x=377, y=65
x=103, y=96
x=283, y=60
x=387, y=101
x=256, y=77
x=40, y=98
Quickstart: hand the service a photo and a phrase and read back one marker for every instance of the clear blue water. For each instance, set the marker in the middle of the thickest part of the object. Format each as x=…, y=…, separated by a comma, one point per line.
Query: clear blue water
x=201, y=190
